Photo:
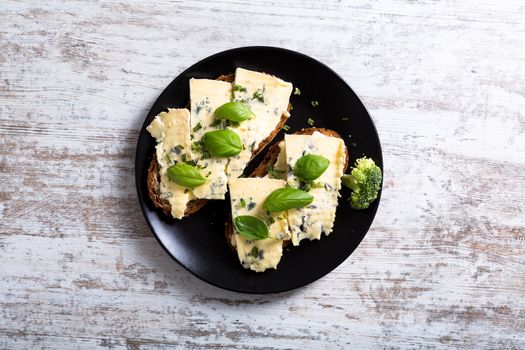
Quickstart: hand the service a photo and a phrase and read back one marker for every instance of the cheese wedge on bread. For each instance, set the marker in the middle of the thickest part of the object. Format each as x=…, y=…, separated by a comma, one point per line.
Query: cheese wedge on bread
x=309, y=221
x=268, y=98
x=247, y=197
x=265, y=94
x=318, y=217
x=171, y=130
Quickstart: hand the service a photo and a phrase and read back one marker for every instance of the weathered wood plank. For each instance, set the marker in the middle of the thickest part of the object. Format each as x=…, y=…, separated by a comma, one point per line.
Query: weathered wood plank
x=441, y=267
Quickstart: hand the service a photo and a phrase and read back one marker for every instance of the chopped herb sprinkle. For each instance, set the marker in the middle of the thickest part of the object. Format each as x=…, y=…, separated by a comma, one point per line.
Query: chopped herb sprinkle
x=242, y=203
x=310, y=121
x=308, y=185
x=191, y=162
x=286, y=128
x=197, y=127
x=240, y=88
x=232, y=123
x=314, y=103
x=297, y=91
x=275, y=173
x=258, y=95
x=198, y=146
x=215, y=122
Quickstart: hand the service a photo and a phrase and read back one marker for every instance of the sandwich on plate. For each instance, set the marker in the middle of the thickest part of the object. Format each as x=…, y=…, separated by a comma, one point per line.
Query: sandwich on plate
x=202, y=152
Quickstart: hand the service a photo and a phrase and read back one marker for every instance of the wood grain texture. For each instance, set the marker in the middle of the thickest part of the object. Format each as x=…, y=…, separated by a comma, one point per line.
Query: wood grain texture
x=443, y=265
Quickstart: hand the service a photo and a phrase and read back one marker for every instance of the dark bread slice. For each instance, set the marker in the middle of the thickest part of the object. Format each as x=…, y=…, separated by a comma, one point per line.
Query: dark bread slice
x=194, y=205
x=268, y=161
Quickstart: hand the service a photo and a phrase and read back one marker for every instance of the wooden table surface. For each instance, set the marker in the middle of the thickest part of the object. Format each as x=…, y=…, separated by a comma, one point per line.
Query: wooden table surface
x=443, y=265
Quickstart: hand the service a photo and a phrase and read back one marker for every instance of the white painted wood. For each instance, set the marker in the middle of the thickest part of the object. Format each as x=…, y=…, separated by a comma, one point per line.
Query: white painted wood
x=443, y=265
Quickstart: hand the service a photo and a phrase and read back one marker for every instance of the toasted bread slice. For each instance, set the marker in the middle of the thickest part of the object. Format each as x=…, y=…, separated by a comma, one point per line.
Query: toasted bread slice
x=269, y=161
x=153, y=180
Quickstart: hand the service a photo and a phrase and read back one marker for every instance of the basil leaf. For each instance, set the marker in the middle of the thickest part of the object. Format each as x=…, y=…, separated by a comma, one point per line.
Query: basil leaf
x=235, y=111
x=287, y=198
x=222, y=143
x=250, y=227
x=310, y=167
x=185, y=175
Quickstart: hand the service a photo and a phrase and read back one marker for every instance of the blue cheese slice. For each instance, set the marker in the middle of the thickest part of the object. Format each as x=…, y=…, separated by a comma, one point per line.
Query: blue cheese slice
x=171, y=129
x=268, y=98
x=205, y=97
x=247, y=198
x=318, y=217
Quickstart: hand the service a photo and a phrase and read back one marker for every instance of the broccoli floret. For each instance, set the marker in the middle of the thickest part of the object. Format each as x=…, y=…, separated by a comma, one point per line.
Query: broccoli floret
x=364, y=181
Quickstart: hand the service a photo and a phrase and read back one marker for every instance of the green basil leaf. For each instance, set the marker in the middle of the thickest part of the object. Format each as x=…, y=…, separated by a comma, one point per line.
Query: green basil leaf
x=222, y=143
x=310, y=167
x=250, y=227
x=287, y=198
x=185, y=175
x=235, y=111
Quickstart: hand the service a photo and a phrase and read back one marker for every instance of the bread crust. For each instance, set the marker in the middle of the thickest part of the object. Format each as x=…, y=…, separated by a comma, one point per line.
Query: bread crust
x=268, y=161
x=153, y=180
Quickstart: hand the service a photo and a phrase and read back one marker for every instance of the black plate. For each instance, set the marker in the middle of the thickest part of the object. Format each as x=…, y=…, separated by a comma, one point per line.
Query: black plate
x=198, y=242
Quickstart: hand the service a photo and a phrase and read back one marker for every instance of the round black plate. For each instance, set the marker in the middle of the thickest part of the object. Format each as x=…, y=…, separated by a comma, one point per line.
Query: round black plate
x=198, y=242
